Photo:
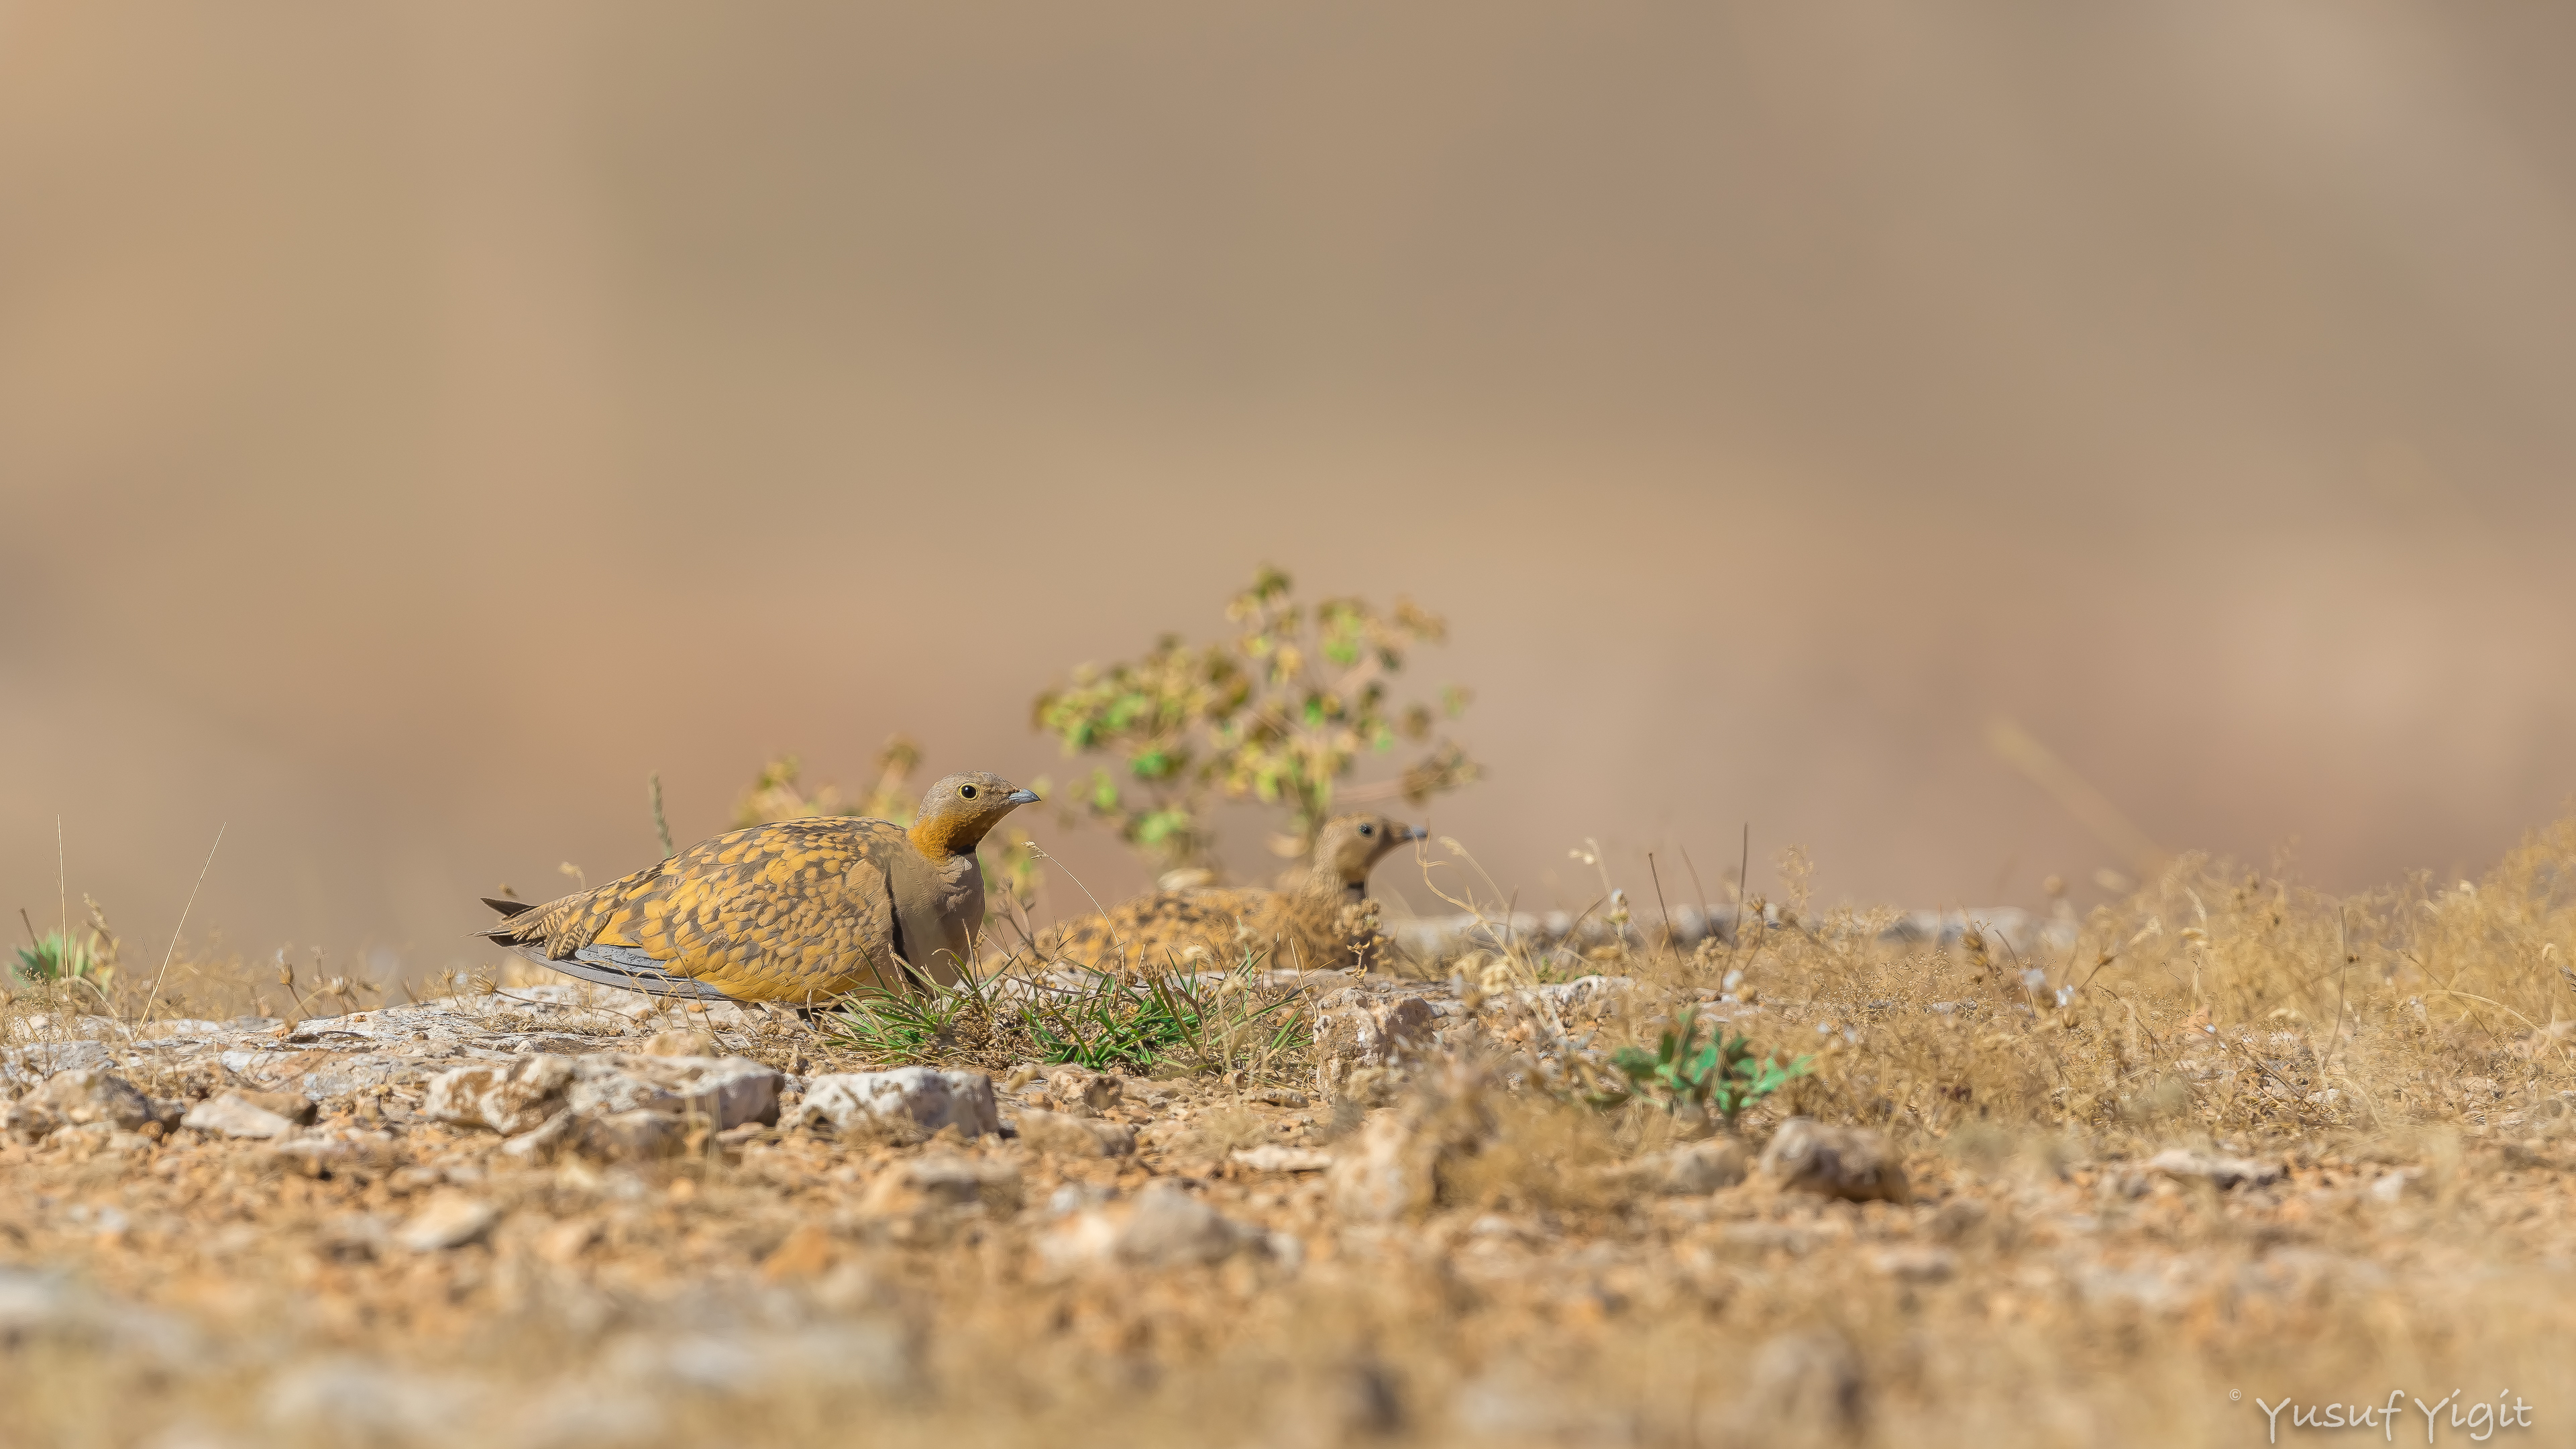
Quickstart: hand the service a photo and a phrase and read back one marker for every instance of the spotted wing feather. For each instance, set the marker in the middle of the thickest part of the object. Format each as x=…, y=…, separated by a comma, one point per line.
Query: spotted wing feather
x=793, y=911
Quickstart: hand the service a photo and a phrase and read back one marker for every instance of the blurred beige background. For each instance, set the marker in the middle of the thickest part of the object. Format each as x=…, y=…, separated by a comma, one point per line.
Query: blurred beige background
x=417, y=423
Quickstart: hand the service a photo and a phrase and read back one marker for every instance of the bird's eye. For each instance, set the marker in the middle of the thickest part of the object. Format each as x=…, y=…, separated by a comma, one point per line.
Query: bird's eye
x=1368, y=830
x=966, y=790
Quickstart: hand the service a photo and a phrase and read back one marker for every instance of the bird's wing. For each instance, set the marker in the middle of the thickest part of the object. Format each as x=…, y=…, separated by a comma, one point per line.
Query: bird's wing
x=625, y=968
x=796, y=910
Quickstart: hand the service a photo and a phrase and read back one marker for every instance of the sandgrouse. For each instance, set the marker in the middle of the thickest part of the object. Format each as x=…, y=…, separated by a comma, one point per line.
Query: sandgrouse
x=1321, y=924
x=795, y=911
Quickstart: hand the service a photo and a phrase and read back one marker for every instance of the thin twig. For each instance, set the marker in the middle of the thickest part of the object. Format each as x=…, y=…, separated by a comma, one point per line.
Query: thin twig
x=2343, y=948
x=166, y=956
x=661, y=827
x=1040, y=853
x=1657, y=877
x=1707, y=922
x=1743, y=875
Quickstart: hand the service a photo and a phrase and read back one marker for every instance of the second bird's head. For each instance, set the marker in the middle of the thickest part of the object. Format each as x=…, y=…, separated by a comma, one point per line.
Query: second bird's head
x=1349, y=845
x=958, y=810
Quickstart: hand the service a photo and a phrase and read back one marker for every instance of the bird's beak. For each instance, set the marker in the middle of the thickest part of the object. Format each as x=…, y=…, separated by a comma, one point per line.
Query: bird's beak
x=1021, y=797
x=1412, y=832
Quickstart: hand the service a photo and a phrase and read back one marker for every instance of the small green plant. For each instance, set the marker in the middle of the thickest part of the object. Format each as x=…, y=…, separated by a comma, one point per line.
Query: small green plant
x=1280, y=714
x=55, y=959
x=1166, y=1018
x=87, y=958
x=1691, y=1077
x=1105, y=1022
x=914, y=1026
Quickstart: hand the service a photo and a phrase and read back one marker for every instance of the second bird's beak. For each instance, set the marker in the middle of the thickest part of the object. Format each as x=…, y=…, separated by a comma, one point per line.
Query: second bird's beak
x=1021, y=797
x=1410, y=832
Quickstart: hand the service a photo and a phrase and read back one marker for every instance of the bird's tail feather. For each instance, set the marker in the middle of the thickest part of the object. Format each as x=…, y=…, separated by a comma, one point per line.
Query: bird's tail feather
x=634, y=972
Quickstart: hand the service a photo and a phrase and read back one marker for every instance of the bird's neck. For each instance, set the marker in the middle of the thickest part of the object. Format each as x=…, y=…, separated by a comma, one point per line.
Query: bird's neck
x=1328, y=887
x=938, y=838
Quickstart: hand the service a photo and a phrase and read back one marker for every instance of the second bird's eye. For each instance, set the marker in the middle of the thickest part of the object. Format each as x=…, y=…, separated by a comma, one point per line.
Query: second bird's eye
x=966, y=790
x=1368, y=830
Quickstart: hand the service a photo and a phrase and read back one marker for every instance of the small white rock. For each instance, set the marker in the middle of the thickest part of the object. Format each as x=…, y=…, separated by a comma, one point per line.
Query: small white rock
x=1163, y=1226
x=1386, y=1174
x=1915, y=1263
x=920, y=1185
x=727, y=1091
x=449, y=1221
x=1851, y=1163
x=1273, y=1157
x=544, y=1140
x=84, y=1097
x=1067, y=1135
x=1080, y=1092
x=2218, y=1169
x=1695, y=1170
x=931, y=1099
x=230, y=1114
x=507, y=1099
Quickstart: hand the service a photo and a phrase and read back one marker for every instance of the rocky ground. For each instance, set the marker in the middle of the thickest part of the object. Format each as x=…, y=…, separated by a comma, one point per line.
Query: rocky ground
x=543, y=1216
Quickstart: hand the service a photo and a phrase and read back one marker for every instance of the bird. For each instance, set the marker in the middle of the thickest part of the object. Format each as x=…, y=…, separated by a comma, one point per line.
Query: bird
x=1324, y=922
x=794, y=911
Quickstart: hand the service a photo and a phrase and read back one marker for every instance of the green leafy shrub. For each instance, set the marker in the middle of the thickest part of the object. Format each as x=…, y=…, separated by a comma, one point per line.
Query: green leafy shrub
x=1280, y=714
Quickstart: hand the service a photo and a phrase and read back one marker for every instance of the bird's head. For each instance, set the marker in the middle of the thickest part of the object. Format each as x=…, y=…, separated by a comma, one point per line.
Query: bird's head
x=958, y=810
x=1350, y=845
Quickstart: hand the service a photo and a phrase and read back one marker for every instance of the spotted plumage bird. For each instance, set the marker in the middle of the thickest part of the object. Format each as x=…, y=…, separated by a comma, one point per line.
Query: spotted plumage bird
x=796, y=911
x=1325, y=922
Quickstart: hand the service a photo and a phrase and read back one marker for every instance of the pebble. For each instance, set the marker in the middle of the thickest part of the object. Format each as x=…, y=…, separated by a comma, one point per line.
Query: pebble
x=239, y=1114
x=81, y=1097
x=927, y=1184
x=1695, y=1170
x=680, y=1042
x=542, y=1141
x=507, y=1099
x=1163, y=1226
x=449, y=1220
x=639, y=1135
x=2218, y=1169
x=927, y=1098
x=1082, y=1092
x=864, y=1354
x=354, y=1401
x=802, y=1256
x=1915, y=1263
x=1274, y=1157
x=1068, y=1135
x=1805, y=1382
x=613, y=1107
x=1360, y=1039
x=726, y=1091
x=1851, y=1163
x=37, y=1304
x=1386, y=1172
